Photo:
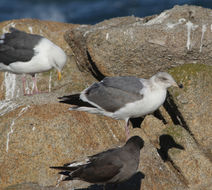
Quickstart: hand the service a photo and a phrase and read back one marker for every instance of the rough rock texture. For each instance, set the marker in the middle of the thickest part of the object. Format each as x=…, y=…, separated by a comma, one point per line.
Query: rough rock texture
x=37, y=136
x=195, y=108
x=37, y=132
x=142, y=46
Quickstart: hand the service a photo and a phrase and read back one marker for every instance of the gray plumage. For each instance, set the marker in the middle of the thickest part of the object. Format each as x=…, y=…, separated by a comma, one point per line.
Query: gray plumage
x=17, y=46
x=111, y=166
x=113, y=92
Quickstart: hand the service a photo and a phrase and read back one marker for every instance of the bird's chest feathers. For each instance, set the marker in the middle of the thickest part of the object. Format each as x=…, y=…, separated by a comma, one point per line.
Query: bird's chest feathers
x=153, y=99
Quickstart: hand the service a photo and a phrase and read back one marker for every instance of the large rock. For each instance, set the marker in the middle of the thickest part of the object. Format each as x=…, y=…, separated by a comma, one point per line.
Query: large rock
x=38, y=135
x=194, y=103
x=143, y=46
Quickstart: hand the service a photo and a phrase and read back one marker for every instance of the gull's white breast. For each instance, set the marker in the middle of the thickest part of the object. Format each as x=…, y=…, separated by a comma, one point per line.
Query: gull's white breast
x=150, y=102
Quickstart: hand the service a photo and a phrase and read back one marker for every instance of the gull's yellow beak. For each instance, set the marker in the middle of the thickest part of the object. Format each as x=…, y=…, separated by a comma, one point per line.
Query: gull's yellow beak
x=175, y=84
x=58, y=75
x=178, y=85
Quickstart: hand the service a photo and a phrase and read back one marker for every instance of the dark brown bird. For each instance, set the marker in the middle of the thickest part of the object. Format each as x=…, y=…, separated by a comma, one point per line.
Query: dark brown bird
x=111, y=166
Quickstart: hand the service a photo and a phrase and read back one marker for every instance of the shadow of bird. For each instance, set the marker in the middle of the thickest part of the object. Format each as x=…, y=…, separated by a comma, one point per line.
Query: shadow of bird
x=167, y=142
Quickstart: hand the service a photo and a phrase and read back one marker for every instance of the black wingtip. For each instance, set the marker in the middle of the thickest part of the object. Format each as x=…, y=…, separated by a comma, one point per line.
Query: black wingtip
x=60, y=98
x=74, y=99
x=54, y=167
x=66, y=173
x=58, y=167
x=64, y=99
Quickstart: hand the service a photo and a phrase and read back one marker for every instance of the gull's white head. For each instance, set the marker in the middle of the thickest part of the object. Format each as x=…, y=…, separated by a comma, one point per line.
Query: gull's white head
x=54, y=54
x=164, y=79
x=59, y=60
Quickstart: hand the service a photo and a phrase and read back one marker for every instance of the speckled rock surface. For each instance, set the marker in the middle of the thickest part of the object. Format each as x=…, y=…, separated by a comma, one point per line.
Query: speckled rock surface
x=194, y=102
x=34, y=137
x=142, y=46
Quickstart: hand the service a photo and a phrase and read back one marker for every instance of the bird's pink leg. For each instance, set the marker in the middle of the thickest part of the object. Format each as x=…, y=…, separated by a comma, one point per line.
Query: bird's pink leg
x=127, y=132
x=35, y=85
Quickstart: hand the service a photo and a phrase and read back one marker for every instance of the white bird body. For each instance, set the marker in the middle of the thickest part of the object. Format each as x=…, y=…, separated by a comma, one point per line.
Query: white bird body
x=148, y=104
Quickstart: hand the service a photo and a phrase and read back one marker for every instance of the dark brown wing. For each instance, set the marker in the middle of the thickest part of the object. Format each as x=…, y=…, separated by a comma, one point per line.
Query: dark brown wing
x=97, y=173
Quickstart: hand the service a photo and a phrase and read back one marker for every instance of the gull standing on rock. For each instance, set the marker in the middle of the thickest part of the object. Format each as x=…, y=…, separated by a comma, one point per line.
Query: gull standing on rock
x=123, y=97
x=23, y=53
x=111, y=166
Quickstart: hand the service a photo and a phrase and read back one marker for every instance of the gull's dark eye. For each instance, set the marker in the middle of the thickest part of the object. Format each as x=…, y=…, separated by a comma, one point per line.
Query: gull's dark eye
x=163, y=78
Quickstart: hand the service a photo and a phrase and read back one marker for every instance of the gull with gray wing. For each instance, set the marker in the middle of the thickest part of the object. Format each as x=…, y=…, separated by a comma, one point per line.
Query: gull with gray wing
x=123, y=97
x=24, y=53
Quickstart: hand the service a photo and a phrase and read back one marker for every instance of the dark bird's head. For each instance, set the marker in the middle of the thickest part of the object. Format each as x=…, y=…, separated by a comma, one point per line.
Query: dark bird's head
x=164, y=79
x=137, y=141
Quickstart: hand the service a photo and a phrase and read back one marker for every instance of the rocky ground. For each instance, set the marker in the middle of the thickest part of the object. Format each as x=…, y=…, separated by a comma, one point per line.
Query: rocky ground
x=37, y=132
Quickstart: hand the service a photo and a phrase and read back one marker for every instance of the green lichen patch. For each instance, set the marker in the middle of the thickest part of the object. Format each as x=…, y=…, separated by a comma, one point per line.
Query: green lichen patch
x=189, y=74
x=175, y=131
x=186, y=72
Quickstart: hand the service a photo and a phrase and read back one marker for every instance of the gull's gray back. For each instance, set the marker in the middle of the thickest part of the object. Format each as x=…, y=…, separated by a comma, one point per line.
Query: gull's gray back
x=114, y=92
x=126, y=83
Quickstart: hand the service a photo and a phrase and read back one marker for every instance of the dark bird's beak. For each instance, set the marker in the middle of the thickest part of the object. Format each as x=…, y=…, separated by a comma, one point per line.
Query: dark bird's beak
x=177, y=85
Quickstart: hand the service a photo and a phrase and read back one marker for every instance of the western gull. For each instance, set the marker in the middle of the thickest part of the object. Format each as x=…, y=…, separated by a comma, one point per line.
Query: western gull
x=111, y=166
x=24, y=53
x=123, y=97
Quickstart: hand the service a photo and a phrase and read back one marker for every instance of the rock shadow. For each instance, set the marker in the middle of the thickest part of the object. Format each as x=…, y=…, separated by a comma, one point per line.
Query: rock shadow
x=136, y=122
x=94, y=69
x=133, y=183
x=176, y=115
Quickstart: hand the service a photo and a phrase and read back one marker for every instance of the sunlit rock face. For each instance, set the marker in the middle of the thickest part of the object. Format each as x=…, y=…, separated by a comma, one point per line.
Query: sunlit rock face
x=37, y=132
x=141, y=46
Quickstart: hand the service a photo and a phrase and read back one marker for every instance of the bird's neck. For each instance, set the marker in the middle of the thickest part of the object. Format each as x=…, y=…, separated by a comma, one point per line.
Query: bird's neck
x=132, y=148
x=154, y=85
